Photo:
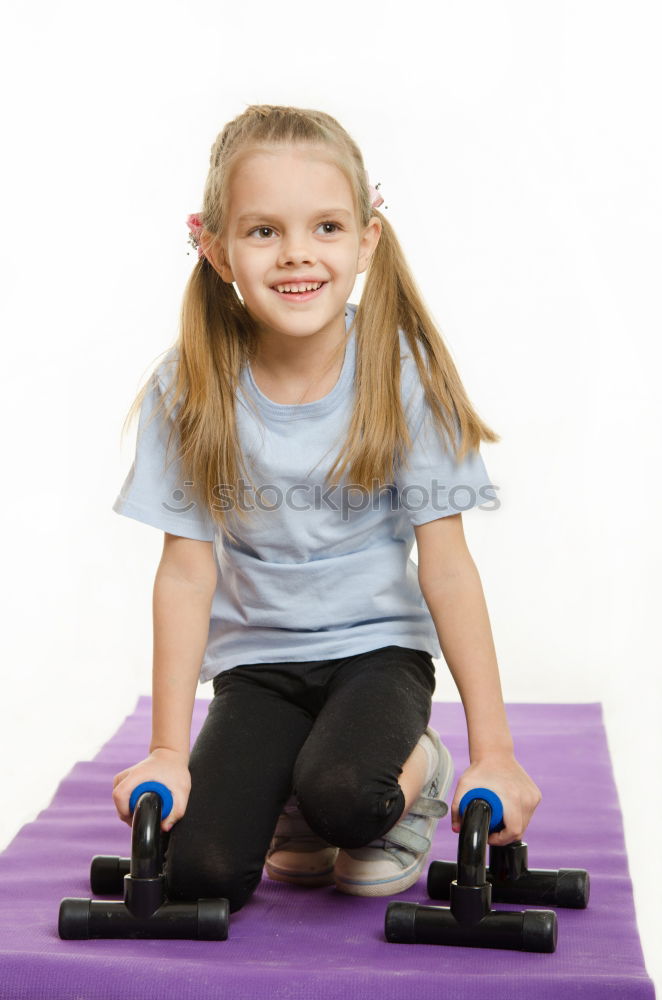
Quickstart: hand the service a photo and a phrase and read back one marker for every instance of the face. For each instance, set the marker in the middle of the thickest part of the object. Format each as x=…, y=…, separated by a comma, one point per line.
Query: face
x=292, y=220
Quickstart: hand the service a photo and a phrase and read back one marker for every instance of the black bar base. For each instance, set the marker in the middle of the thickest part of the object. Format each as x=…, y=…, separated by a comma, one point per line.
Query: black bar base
x=513, y=882
x=413, y=923
x=206, y=920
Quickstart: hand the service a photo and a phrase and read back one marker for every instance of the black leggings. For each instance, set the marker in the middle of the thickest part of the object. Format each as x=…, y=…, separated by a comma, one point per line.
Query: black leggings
x=334, y=732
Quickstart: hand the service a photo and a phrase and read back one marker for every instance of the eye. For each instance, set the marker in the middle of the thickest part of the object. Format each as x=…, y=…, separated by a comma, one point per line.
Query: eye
x=334, y=227
x=261, y=229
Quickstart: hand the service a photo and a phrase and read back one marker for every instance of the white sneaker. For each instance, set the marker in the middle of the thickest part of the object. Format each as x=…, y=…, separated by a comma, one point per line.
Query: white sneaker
x=395, y=861
x=296, y=854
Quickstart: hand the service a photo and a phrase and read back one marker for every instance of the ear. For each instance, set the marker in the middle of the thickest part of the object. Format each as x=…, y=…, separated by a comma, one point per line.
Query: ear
x=368, y=244
x=214, y=251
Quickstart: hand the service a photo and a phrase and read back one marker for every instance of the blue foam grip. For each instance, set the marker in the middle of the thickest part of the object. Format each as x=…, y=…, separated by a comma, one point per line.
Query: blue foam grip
x=496, y=820
x=153, y=786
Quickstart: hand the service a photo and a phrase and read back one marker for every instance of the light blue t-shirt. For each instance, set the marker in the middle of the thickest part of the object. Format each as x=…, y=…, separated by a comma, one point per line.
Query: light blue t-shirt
x=319, y=573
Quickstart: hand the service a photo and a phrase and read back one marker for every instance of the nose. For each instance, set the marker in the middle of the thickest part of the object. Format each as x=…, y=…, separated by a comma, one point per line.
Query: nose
x=296, y=249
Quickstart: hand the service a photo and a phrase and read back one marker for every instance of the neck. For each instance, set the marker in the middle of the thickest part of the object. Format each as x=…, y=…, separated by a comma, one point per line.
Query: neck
x=297, y=359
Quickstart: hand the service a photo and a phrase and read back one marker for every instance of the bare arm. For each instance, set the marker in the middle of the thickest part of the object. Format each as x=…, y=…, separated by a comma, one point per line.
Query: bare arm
x=453, y=592
x=183, y=590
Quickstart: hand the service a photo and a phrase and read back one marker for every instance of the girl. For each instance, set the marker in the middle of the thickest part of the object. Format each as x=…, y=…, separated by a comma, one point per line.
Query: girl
x=285, y=576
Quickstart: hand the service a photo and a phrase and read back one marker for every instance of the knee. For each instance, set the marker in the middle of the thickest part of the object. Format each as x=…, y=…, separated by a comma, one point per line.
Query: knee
x=190, y=877
x=344, y=809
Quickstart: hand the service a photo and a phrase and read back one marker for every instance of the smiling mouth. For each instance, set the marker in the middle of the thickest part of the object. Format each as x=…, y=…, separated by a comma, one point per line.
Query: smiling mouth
x=300, y=288
x=308, y=291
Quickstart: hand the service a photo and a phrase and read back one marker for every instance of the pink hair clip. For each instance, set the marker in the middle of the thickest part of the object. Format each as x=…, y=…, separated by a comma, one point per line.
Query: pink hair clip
x=195, y=227
x=375, y=198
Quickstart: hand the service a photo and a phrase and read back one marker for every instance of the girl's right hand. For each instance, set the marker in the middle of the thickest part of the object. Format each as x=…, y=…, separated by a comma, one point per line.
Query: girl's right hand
x=166, y=766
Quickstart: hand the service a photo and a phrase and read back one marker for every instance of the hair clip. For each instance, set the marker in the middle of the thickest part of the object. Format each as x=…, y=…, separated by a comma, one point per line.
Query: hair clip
x=375, y=197
x=196, y=227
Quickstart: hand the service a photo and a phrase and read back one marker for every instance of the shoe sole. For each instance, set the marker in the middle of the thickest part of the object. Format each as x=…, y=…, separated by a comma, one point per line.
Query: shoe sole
x=408, y=876
x=295, y=878
x=381, y=887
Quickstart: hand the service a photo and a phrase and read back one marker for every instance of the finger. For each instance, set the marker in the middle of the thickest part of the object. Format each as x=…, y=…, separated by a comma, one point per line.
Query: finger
x=510, y=834
x=455, y=812
x=122, y=805
x=456, y=818
x=124, y=815
x=170, y=821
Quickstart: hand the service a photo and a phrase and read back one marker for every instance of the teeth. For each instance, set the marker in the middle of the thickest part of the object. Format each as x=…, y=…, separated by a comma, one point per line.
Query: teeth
x=310, y=287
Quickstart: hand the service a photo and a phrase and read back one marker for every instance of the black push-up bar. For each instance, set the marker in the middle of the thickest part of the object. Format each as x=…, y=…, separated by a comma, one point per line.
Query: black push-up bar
x=145, y=911
x=470, y=921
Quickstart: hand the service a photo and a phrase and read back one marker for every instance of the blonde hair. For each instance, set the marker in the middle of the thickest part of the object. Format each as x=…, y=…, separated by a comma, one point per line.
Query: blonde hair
x=217, y=335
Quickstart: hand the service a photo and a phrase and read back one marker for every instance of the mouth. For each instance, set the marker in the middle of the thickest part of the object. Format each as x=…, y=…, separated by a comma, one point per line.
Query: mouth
x=301, y=291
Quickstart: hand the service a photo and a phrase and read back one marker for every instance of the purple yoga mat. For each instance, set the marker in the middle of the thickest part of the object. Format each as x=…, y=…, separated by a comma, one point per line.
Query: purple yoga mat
x=317, y=944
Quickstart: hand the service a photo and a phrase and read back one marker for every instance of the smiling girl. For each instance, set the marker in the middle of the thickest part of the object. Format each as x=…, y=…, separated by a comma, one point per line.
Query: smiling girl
x=314, y=440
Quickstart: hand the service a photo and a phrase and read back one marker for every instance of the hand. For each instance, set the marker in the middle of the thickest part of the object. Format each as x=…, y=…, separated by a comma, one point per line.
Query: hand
x=166, y=766
x=519, y=795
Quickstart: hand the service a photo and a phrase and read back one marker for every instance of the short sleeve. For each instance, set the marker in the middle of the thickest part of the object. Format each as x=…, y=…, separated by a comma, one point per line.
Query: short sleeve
x=156, y=495
x=433, y=484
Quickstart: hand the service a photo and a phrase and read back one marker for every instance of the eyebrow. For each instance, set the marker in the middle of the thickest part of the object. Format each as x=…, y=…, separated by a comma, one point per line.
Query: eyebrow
x=251, y=216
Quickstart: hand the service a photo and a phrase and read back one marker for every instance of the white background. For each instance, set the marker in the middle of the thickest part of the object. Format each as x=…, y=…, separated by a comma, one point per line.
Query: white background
x=518, y=148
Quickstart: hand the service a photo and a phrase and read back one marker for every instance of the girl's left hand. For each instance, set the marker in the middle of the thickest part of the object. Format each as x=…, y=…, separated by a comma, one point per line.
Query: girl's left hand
x=519, y=794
